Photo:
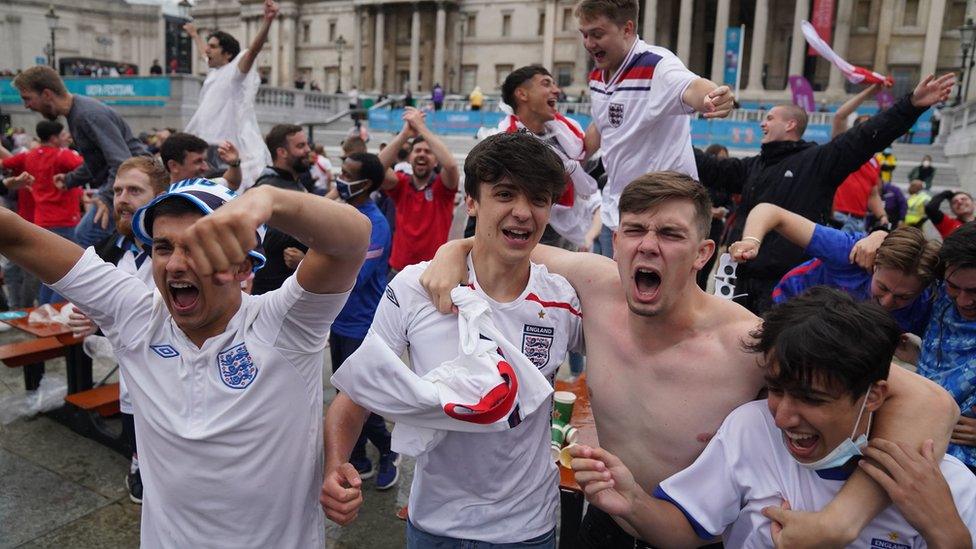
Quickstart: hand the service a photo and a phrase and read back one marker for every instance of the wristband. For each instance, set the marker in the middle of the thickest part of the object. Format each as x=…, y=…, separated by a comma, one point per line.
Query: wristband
x=235, y=164
x=754, y=239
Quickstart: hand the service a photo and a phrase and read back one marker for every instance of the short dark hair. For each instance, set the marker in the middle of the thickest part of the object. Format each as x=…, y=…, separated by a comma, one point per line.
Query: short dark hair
x=714, y=149
x=415, y=141
x=46, y=129
x=228, y=43
x=370, y=168
x=174, y=206
x=278, y=137
x=518, y=77
x=959, y=248
x=617, y=11
x=826, y=335
x=522, y=159
x=649, y=190
x=178, y=144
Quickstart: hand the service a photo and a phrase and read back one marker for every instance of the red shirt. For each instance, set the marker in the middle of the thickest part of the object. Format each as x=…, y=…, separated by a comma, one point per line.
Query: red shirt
x=423, y=219
x=948, y=225
x=52, y=207
x=852, y=195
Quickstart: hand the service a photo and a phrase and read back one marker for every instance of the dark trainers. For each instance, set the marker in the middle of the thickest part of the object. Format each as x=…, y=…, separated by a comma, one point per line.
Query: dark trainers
x=364, y=467
x=133, y=484
x=389, y=472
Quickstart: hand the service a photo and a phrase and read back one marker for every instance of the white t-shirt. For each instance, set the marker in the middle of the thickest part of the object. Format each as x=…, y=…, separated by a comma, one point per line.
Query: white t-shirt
x=644, y=125
x=226, y=112
x=746, y=467
x=494, y=487
x=139, y=266
x=230, y=433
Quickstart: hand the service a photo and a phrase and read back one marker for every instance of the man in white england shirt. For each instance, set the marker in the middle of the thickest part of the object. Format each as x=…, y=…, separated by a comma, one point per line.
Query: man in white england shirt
x=495, y=487
x=641, y=97
x=229, y=386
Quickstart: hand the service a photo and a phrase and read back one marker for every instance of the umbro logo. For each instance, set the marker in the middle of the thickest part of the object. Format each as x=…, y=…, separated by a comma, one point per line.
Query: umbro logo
x=165, y=351
x=789, y=173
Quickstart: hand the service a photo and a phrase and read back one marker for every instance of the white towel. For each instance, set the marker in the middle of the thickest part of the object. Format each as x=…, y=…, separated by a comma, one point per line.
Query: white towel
x=481, y=390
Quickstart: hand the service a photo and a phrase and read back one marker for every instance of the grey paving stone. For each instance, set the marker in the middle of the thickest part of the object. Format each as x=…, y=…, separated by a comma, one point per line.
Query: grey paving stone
x=35, y=500
x=115, y=525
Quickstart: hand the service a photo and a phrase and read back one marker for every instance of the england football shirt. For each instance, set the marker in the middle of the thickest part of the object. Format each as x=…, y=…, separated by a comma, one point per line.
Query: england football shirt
x=230, y=432
x=497, y=487
x=644, y=125
x=746, y=467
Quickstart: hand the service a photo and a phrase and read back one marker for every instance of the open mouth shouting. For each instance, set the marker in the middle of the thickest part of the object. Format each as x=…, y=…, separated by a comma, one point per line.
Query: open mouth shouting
x=517, y=236
x=647, y=283
x=599, y=56
x=801, y=445
x=184, y=296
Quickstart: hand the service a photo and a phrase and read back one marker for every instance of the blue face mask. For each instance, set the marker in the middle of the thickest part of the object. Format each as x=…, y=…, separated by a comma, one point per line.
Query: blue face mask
x=847, y=449
x=345, y=188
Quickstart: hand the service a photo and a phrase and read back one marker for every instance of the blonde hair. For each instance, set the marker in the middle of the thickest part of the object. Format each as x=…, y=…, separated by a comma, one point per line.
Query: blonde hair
x=907, y=250
x=158, y=176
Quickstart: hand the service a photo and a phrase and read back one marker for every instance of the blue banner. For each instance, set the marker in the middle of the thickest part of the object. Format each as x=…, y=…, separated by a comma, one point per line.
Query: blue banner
x=733, y=48
x=124, y=91
x=448, y=122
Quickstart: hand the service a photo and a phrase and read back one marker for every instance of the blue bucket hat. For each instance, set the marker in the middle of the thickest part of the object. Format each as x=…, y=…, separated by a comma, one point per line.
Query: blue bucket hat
x=202, y=193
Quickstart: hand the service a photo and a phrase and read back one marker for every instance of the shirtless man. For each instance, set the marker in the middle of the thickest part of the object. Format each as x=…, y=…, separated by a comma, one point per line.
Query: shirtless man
x=662, y=350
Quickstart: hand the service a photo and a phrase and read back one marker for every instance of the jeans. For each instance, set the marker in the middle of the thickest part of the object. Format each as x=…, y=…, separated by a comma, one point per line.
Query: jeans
x=45, y=294
x=340, y=348
x=850, y=223
x=603, y=244
x=88, y=233
x=21, y=286
x=418, y=539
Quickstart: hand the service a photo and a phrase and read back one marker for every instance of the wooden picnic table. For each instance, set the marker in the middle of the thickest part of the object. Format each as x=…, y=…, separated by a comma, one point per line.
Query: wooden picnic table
x=570, y=494
x=78, y=364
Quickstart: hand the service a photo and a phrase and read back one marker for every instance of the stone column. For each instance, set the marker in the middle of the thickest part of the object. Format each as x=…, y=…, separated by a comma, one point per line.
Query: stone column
x=933, y=34
x=758, y=53
x=549, y=35
x=649, y=28
x=275, y=50
x=288, y=68
x=798, y=47
x=718, y=50
x=842, y=36
x=439, y=47
x=357, y=47
x=684, y=30
x=885, y=21
x=378, y=50
x=415, y=49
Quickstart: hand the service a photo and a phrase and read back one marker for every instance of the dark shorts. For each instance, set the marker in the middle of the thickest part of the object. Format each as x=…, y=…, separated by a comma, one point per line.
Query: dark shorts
x=600, y=531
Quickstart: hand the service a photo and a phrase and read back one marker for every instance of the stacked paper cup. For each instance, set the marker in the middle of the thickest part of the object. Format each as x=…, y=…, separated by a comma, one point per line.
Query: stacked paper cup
x=563, y=434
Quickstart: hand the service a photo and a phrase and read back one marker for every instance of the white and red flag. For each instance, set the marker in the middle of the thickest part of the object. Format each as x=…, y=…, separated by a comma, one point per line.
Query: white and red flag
x=853, y=73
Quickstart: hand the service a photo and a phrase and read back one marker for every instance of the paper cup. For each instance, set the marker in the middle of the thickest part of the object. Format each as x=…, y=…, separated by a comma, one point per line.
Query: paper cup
x=562, y=408
x=558, y=435
x=565, y=459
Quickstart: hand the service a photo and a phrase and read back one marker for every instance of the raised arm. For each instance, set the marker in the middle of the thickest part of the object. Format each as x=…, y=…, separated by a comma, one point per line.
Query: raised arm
x=228, y=153
x=191, y=31
x=450, y=173
x=388, y=156
x=247, y=60
x=708, y=98
x=839, y=124
x=725, y=174
x=20, y=241
x=916, y=410
x=337, y=236
x=768, y=217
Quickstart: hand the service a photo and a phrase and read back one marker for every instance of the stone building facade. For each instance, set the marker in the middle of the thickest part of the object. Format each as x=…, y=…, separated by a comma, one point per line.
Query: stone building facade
x=107, y=30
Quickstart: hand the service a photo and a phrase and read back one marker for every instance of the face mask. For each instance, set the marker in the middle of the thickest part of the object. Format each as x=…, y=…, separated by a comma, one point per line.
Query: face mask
x=345, y=188
x=846, y=449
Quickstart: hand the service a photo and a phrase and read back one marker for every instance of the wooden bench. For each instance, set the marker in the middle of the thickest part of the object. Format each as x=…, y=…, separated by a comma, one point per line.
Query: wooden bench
x=31, y=351
x=104, y=400
x=31, y=354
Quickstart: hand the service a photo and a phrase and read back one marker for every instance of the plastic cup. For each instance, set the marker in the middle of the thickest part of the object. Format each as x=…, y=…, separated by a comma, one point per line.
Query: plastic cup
x=562, y=409
x=565, y=459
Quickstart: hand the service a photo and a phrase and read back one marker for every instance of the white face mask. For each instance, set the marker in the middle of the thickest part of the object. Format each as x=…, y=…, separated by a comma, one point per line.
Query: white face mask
x=845, y=450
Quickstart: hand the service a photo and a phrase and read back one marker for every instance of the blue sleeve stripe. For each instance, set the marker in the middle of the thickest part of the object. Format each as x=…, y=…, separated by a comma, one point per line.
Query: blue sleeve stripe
x=704, y=534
